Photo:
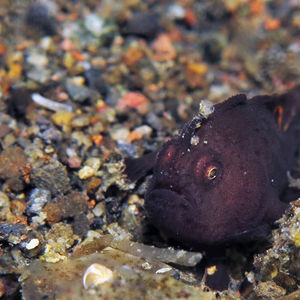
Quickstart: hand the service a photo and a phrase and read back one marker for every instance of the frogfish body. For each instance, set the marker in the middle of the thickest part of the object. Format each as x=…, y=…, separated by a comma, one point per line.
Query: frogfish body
x=221, y=178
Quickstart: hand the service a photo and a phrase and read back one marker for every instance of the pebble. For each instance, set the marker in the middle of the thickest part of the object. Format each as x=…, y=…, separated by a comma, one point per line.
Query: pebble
x=39, y=75
x=38, y=198
x=118, y=133
x=39, y=17
x=175, y=11
x=128, y=149
x=74, y=162
x=218, y=91
x=63, y=118
x=52, y=176
x=81, y=121
x=51, y=135
x=94, y=24
x=78, y=93
x=4, y=200
x=86, y=172
x=13, y=162
x=32, y=244
x=95, y=81
x=37, y=58
x=94, y=163
x=154, y=121
x=100, y=209
x=143, y=24
x=72, y=204
x=144, y=130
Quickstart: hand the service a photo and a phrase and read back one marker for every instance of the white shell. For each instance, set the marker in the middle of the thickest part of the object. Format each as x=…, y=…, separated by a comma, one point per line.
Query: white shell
x=96, y=274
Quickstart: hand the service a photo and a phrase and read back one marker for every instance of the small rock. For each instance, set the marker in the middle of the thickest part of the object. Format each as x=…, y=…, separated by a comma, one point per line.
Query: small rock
x=93, y=184
x=53, y=213
x=143, y=24
x=63, y=118
x=135, y=100
x=13, y=163
x=4, y=200
x=38, y=198
x=78, y=93
x=94, y=163
x=175, y=11
x=4, y=130
x=74, y=162
x=72, y=204
x=51, y=135
x=38, y=16
x=81, y=121
x=94, y=24
x=37, y=59
x=86, y=172
x=39, y=75
x=18, y=102
x=95, y=81
x=99, y=209
x=81, y=225
x=118, y=132
x=163, y=48
x=127, y=148
x=144, y=130
x=154, y=121
x=52, y=177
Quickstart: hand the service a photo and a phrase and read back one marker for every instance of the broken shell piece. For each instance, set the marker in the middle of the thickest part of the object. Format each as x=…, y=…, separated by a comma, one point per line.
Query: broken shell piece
x=96, y=274
x=205, y=108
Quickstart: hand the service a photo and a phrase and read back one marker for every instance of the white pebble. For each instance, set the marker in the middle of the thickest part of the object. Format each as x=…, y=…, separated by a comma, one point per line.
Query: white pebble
x=32, y=244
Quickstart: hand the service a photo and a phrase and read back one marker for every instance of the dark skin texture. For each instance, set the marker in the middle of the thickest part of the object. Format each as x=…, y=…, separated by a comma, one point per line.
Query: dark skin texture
x=226, y=188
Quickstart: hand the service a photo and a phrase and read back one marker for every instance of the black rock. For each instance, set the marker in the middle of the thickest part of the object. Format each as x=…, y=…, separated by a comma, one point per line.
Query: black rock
x=38, y=17
x=146, y=25
x=95, y=81
x=18, y=102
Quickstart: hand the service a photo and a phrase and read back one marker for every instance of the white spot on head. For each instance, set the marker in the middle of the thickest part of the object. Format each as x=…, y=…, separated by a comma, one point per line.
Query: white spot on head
x=205, y=142
x=205, y=108
x=194, y=140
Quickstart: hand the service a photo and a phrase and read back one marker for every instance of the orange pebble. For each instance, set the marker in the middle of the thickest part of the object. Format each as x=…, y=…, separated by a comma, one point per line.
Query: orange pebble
x=256, y=6
x=163, y=48
x=134, y=100
x=78, y=56
x=92, y=203
x=97, y=139
x=132, y=56
x=272, y=24
x=134, y=135
x=2, y=49
x=190, y=17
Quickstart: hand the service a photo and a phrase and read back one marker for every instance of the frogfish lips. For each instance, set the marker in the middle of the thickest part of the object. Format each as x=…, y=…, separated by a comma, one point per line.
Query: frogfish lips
x=168, y=210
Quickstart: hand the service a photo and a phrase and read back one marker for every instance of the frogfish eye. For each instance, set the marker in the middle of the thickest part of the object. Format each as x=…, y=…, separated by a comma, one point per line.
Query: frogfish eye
x=211, y=172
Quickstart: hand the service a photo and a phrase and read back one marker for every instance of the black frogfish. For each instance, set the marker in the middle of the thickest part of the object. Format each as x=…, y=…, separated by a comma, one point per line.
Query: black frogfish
x=221, y=179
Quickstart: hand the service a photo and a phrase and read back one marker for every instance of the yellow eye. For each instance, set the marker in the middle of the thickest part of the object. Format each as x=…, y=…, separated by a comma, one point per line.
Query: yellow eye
x=211, y=172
